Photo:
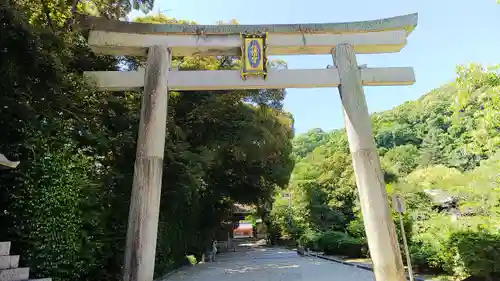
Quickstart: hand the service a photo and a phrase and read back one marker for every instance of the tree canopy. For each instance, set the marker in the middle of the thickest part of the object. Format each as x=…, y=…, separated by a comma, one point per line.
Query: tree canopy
x=65, y=207
x=440, y=152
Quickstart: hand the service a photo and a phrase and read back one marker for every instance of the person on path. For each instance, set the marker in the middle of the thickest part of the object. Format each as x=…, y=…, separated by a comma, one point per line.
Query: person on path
x=214, y=249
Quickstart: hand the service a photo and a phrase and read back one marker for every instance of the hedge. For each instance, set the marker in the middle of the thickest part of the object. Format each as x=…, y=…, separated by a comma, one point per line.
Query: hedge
x=334, y=243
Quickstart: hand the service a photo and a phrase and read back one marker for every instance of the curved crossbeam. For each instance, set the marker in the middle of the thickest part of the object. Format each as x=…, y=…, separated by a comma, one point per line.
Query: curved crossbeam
x=130, y=38
x=404, y=22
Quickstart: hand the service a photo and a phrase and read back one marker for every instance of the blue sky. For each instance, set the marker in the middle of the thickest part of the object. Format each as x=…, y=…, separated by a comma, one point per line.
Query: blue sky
x=448, y=33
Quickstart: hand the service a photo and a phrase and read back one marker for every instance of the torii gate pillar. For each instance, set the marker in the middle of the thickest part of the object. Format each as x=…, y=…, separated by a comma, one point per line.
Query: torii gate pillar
x=148, y=170
x=380, y=232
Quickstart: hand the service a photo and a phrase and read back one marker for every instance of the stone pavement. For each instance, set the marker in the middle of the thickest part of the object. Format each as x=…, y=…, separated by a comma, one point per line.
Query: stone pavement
x=270, y=264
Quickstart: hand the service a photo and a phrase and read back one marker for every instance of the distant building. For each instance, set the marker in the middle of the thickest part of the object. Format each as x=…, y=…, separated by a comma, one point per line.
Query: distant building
x=446, y=203
x=244, y=230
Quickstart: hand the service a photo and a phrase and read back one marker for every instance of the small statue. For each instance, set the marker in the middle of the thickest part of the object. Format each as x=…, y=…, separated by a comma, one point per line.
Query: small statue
x=214, y=250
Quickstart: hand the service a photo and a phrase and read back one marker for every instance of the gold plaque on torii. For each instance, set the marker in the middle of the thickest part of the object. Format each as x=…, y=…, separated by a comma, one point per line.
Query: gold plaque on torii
x=253, y=55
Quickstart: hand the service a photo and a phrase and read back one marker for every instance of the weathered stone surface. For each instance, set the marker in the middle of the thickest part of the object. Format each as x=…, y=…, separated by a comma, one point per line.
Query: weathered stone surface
x=406, y=22
x=15, y=274
x=6, y=163
x=146, y=189
x=4, y=248
x=136, y=44
x=9, y=262
x=380, y=231
x=231, y=79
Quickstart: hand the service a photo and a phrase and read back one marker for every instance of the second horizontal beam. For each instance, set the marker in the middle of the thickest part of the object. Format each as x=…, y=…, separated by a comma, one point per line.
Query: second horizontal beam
x=205, y=80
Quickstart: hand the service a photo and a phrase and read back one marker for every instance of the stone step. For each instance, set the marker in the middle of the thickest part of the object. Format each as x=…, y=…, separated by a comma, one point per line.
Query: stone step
x=4, y=248
x=15, y=274
x=7, y=262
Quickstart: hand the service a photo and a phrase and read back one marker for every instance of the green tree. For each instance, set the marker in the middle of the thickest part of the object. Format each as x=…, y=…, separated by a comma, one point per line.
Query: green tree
x=440, y=152
x=77, y=148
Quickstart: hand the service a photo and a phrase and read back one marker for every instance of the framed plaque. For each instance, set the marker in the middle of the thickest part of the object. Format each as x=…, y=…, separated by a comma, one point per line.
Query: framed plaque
x=253, y=55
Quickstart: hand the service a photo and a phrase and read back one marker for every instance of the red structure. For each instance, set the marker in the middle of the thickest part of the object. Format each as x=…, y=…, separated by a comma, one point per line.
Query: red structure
x=244, y=230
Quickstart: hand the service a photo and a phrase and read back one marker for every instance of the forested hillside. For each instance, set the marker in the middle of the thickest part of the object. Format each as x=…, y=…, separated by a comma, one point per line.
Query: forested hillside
x=442, y=152
x=65, y=207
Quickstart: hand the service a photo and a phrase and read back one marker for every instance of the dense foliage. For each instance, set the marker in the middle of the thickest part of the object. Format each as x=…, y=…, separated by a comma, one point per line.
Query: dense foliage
x=441, y=152
x=66, y=206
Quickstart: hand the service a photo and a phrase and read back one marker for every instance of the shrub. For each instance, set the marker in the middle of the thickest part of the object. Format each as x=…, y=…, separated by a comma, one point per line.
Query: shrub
x=475, y=253
x=428, y=247
x=191, y=259
x=310, y=240
x=428, y=253
x=340, y=243
x=49, y=217
x=274, y=233
x=356, y=228
x=329, y=242
x=296, y=233
x=354, y=248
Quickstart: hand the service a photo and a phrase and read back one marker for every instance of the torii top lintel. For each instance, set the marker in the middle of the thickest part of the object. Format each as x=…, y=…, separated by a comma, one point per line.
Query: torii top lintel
x=405, y=22
x=115, y=37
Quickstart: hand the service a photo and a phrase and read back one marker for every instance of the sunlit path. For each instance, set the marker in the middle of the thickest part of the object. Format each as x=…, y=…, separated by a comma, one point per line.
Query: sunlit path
x=270, y=264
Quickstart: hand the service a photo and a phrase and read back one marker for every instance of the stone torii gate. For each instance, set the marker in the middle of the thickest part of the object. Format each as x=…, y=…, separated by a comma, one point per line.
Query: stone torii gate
x=159, y=42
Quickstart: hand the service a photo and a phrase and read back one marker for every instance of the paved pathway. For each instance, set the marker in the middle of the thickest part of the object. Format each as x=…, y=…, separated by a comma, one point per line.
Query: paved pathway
x=270, y=264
